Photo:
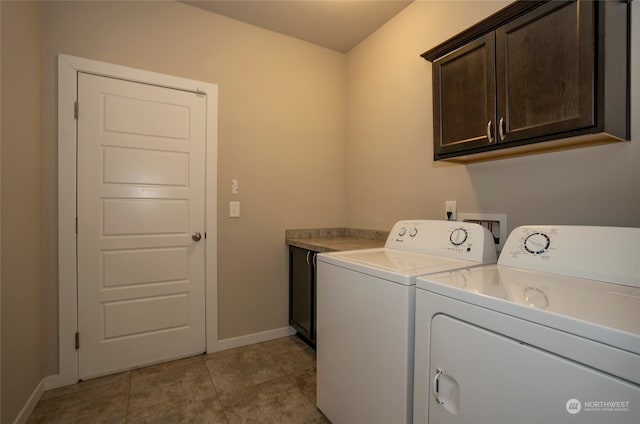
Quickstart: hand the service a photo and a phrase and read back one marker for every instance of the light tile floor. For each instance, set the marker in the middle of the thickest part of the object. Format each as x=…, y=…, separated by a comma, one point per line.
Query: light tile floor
x=270, y=382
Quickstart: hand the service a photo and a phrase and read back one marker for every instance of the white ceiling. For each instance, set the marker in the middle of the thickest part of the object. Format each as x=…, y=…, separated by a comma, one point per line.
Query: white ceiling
x=335, y=24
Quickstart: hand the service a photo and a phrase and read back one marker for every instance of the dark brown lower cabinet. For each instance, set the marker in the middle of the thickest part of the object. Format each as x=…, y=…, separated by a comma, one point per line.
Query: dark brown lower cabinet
x=302, y=293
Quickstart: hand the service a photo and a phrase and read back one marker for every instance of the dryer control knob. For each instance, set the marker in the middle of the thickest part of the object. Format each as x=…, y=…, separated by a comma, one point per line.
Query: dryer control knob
x=537, y=243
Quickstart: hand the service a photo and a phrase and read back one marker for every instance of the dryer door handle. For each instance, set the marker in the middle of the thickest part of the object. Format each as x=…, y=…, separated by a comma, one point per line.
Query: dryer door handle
x=436, y=386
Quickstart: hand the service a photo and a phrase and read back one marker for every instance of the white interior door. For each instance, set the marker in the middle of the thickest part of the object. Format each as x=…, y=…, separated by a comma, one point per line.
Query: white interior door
x=141, y=168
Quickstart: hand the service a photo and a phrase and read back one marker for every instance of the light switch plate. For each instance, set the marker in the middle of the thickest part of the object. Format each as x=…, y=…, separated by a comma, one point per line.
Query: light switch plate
x=234, y=209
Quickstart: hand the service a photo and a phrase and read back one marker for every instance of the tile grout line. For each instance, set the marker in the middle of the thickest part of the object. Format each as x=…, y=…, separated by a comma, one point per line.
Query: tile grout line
x=224, y=413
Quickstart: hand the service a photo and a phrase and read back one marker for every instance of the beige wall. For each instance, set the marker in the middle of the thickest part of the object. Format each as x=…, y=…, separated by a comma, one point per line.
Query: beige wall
x=316, y=138
x=21, y=200
x=282, y=133
x=391, y=174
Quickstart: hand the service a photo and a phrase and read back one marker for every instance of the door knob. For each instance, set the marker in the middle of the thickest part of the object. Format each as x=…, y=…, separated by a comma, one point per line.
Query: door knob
x=196, y=236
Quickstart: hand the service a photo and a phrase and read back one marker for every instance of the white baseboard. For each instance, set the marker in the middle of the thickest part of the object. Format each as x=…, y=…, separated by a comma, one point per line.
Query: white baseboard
x=33, y=400
x=255, y=338
x=57, y=380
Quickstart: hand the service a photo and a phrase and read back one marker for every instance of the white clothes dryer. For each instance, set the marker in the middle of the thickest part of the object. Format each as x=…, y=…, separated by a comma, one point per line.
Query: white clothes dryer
x=549, y=334
x=365, y=316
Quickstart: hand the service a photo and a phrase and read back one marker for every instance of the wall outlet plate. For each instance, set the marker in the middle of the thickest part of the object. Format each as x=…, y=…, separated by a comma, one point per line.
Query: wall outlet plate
x=494, y=222
x=234, y=186
x=450, y=206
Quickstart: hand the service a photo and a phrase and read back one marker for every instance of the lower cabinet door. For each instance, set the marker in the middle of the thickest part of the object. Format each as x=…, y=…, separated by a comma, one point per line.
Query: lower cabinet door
x=302, y=292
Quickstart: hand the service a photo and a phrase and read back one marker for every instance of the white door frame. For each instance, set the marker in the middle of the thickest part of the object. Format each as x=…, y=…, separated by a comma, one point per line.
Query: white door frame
x=68, y=67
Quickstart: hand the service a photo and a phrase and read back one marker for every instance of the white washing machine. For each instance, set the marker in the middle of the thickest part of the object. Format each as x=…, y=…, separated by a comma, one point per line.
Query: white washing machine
x=549, y=334
x=365, y=316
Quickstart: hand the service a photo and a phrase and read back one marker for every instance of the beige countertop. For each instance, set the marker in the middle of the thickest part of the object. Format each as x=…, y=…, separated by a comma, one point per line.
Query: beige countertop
x=335, y=239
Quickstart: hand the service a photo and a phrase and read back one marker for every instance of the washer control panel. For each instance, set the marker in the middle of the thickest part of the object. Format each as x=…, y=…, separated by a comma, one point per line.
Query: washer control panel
x=443, y=238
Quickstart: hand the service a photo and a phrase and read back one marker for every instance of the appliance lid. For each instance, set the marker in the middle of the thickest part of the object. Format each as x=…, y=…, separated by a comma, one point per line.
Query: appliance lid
x=392, y=264
x=604, y=312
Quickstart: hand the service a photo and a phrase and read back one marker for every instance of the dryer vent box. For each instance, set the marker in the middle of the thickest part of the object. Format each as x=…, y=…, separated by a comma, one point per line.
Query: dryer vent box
x=495, y=223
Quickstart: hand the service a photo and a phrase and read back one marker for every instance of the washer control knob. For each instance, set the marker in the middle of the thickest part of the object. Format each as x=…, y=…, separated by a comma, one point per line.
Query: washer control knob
x=458, y=236
x=413, y=232
x=402, y=231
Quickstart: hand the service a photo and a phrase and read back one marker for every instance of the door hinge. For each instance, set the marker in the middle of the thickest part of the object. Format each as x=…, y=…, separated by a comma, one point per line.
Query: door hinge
x=75, y=110
x=77, y=340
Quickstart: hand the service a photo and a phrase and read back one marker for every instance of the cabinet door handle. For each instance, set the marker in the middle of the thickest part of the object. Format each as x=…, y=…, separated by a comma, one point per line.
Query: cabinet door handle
x=489, y=136
x=501, y=128
x=313, y=259
x=308, y=261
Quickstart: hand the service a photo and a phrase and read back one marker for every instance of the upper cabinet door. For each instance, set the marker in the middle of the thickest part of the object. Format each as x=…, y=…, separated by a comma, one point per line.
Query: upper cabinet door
x=545, y=71
x=464, y=97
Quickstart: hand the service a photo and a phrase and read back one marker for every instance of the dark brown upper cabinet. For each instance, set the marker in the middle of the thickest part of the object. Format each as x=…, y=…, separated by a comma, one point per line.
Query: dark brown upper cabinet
x=536, y=76
x=465, y=98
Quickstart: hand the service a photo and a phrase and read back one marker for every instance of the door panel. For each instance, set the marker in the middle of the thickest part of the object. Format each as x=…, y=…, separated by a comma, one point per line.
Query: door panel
x=145, y=216
x=124, y=318
x=464, y=93
x=144, y=266
x=153, y=118
x=141, y=151
x=137, y=166
x=546, y=77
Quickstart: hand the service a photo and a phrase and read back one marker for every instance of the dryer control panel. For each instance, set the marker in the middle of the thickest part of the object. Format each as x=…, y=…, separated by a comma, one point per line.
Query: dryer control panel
x=599, y=253
x=460, y=240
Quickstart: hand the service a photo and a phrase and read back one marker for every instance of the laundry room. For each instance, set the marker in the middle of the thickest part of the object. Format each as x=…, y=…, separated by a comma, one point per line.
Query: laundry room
x=305, y=137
